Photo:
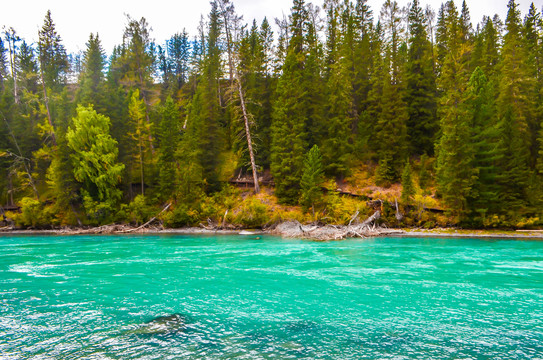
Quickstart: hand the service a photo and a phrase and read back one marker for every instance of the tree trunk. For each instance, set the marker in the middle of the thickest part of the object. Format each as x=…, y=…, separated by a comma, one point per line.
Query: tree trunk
x=234, y=77
x=141, y=167
x=23, y=160
x=46, y=100
x=11, y=44
x=249, y=141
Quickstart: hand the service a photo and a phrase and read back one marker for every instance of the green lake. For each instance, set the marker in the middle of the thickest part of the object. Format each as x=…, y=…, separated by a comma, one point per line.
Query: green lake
x=238, y=297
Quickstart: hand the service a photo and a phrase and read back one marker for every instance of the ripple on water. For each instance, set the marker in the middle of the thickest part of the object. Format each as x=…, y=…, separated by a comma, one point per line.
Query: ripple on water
x=72, y=298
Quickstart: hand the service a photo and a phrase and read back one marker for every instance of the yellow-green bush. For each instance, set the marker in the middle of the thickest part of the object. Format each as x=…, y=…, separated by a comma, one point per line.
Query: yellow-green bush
x=252, y=213
x=138, y=211
x=180, y=215
x=34, y=214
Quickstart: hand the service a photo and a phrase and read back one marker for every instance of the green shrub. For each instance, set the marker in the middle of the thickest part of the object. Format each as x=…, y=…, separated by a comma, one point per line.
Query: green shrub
x=252, y=213
x=138, y=211
x=33, y=214
x=181, y=215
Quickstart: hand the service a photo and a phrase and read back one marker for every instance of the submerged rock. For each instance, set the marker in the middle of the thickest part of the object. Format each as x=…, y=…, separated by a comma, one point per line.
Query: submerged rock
x=162, y=325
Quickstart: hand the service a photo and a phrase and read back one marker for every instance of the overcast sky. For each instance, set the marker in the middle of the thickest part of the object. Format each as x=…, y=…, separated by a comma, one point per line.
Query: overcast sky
x=75, y=20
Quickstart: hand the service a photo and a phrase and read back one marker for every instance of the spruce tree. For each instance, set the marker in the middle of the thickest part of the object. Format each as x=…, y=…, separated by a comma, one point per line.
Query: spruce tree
x=421, y=93
x=204, y=135
x=514, y=107
x=479, y=100
x=169, y=141
x=391, y=126
x=52, y=55
x=408, y=188
x=311, y=181
x=290, y=114
x=91, y=88
x=455, y=175
x=533, y=63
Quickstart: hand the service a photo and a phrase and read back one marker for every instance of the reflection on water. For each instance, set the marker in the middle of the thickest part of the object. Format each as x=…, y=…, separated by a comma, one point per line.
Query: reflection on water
x=156, y=297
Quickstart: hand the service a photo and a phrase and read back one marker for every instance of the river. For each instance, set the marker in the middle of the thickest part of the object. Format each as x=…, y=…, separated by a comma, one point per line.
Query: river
x=242, y=297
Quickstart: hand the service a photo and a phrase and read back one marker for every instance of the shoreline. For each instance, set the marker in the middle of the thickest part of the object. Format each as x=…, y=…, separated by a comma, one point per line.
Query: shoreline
x=393, y=232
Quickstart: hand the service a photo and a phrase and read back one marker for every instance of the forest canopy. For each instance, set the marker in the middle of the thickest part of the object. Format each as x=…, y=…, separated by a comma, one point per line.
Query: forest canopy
x=414, y=101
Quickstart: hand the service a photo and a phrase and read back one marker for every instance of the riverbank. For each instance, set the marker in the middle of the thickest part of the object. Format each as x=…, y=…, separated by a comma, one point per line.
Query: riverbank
x=291, y=230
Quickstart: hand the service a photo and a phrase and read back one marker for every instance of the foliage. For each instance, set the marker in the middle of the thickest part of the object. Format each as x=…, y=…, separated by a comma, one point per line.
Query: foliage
x=34, y=214
x=94, y=161
x=408, y=188
x=312, y=178
x=101, y=140
x=138, y=211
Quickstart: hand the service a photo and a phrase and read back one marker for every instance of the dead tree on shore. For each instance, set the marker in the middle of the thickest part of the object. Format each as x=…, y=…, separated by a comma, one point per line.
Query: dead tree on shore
x=232, y=29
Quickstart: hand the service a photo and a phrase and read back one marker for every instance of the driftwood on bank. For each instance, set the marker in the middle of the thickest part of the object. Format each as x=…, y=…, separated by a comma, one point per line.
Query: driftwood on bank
x=150, y=221
x=368, y=228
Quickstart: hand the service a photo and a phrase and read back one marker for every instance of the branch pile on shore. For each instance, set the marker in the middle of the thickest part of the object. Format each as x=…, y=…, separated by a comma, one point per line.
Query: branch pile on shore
x=368, y=228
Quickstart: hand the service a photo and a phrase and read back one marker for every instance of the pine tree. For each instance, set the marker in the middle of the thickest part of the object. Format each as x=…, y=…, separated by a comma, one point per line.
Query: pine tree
x=362, y=66
x=139, y=133
x=313, y=84
x=178, y=54
x=52, y=55
x=336, y=144
x=169, y=141
x=204, y=130
x=311, y=181
x=91, y=88
x=455, y=176
x=421, y=93
x=391, y=126
x=3, y=64
x=514, y=115
x=290, y=114
x=367, y=127
x=28, y=68
x=408, y=188
x=533, y=40
x=480, y=107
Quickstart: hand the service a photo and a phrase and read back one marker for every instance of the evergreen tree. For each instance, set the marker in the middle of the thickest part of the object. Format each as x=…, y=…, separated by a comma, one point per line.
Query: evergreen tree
x=91, y=88
x=514, y=113
x=362, y=64
x=391, y=126
x=28, y=68
x=408, y=188
x=484, y=138
x=3, y=65
x=94, y=161
x=311, y=181
x=290, y=114
x=313, y=84
x=455, y=176
x=52, y=55
x=179, y=54
x=136, y=62
x=139, y=133
x=533, y=63
x=169, y=139
x=339, y=109
x=204, y=128
x=336, y=146
x=421, y=93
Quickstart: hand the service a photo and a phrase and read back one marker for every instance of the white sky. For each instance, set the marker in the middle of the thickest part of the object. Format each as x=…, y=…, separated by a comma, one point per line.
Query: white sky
x=75, y=20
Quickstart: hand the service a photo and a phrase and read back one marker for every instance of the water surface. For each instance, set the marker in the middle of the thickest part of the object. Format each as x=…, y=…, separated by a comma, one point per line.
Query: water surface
x=270, y=298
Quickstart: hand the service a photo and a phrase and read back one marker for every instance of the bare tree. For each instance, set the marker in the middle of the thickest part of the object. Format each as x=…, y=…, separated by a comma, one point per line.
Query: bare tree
x=232, y=29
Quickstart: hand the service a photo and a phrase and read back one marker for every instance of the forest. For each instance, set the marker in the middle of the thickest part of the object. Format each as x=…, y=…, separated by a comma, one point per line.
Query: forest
x=323, y=114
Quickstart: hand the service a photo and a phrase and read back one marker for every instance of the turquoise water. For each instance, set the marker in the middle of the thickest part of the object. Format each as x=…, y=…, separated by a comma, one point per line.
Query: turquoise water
x=239, y=297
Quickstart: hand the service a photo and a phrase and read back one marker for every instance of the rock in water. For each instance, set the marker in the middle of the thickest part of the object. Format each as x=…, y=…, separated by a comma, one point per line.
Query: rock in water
x=162, y=325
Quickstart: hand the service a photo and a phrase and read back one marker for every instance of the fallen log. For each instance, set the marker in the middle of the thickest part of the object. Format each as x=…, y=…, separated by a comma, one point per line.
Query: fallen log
x=148, y=222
